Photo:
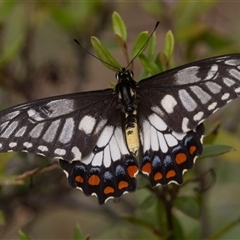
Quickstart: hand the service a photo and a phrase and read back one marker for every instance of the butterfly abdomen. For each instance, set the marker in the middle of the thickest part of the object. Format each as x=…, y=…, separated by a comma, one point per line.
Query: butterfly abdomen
x=131, y=132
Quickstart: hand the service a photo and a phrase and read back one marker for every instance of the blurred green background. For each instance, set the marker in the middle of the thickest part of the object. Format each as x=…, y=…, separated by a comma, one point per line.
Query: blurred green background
x=38, y=58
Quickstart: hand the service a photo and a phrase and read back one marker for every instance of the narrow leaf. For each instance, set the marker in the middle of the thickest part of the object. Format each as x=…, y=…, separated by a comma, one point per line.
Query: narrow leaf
x=139, y=43
x=169, y=45
x=150, y=66
x=152, y=46
x=119, y=27
x=77, y=233
x=215, y=150
x=104, y=55
x=23, y=236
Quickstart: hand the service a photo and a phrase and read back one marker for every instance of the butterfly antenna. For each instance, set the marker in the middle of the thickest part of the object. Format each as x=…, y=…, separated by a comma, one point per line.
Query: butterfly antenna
x=76, y=41
x=144, y=45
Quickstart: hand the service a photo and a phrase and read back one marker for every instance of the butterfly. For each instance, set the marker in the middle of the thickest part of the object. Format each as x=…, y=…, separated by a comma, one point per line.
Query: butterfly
x=97, y=136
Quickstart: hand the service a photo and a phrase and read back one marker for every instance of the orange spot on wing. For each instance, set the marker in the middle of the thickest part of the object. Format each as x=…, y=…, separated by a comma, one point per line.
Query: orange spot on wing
x=123, y=184
x=192, y=149
x=180, y=158
x=171, y=174
x=158, y=176
x=132, y=171
x=147, y=168
x=79, y=179
x=94, y=180
x=108, y=190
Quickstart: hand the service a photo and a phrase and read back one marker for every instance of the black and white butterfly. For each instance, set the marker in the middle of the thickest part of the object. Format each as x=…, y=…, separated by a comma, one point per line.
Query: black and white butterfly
x=97, y=135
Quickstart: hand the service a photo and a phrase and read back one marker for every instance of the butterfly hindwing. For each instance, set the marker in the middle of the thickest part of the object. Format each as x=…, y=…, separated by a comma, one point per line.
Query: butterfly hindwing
x=184, y=96
x=166, y=154
x=108, y=171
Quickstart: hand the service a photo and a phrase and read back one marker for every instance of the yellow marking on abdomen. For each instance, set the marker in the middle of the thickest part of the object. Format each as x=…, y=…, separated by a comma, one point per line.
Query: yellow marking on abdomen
x=132, y=133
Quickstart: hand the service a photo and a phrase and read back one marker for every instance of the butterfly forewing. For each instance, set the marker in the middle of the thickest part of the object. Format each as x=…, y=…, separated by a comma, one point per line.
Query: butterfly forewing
x=183, y=97
x=65, y=127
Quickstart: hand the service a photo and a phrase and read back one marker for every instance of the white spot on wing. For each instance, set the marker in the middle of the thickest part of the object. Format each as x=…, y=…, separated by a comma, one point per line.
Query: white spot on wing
x=21, y=131
x=154, y=139
x=10, y=115
x=212, y=106
x=121, y=141
x=27, y=144
x=67, y=131
x=162, y=142
x=187, y=101
x=105, y=136
x=232, y=62
x=12, y=144
x=58, y=108
x=235, y=73
x=87, y=124
x=201, y=95
x=229, y=82
x=42, y=148
x=157, y=122
x=225, y=96
x=145, y=136
x=237, y=90
x=157, y=110
x=213, y=87
x=100, y=125
x=187, y=75
x=114, y=150
x=9, y=130
x=171, y=141
x=198, y=116
x=37, y=130
x=178, y=136
x=60, y=151
x=31, y=112
x=185, y=122
x=168, y=103
x=49, y=135
x=212, y=72
x=97, y=159
x=107, y=158
x=77, y=154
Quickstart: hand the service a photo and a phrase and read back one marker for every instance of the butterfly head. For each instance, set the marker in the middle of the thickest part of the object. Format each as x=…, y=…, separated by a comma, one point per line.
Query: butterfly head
x=124, y=74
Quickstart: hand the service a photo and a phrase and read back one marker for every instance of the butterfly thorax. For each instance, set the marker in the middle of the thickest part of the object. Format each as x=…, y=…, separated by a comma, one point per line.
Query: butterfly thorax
x=126, y=91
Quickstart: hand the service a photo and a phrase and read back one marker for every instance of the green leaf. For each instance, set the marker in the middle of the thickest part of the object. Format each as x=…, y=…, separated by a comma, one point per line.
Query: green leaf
x=104, y=55
x=169, y=45
x=139, y=44
x=188, y=205
x=77, y=233
x=23, y=236
x=214, y=150
x=152, y=46
x=149, y=65
x=119, y=27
